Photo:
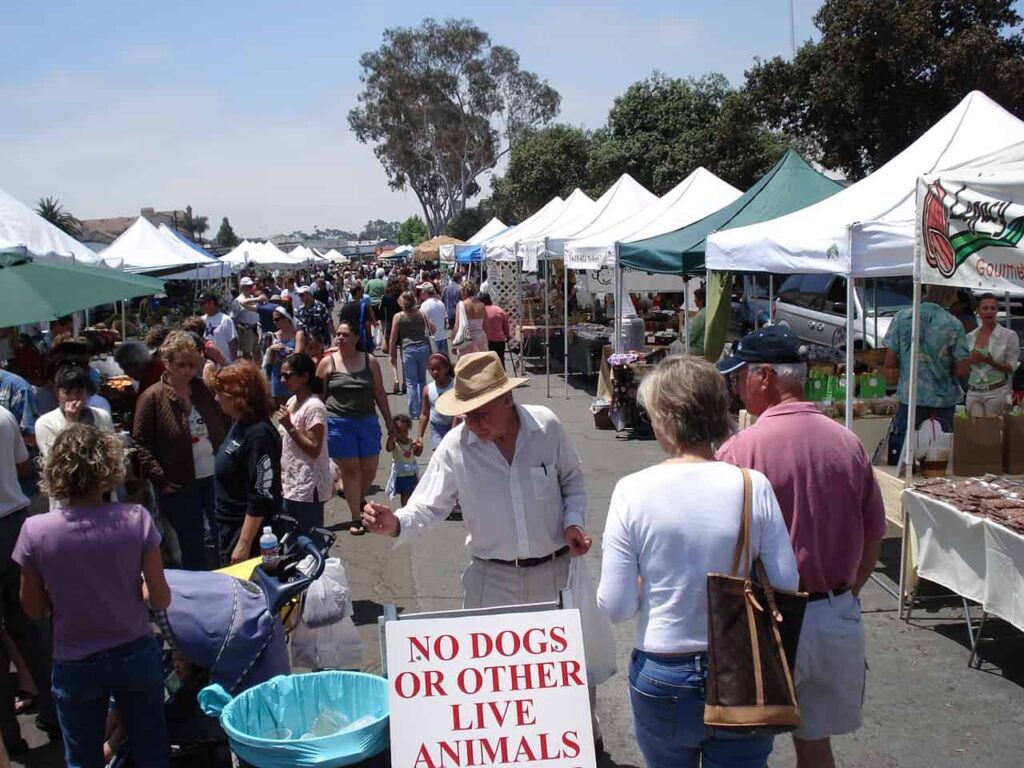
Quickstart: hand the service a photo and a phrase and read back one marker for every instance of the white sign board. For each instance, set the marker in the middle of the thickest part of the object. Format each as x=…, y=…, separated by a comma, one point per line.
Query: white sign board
x=635, y=281
x=489, y=691
x=969, y=234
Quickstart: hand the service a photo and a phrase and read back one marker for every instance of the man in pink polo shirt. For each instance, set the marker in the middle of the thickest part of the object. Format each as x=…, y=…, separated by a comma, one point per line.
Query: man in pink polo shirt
x=833, y=508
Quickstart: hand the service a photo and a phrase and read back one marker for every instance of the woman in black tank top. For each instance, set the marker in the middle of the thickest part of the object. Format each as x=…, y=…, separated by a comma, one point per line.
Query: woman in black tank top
x=353, y=393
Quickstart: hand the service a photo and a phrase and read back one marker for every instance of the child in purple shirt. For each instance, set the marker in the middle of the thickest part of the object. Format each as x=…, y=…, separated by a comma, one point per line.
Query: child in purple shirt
x=94, y=564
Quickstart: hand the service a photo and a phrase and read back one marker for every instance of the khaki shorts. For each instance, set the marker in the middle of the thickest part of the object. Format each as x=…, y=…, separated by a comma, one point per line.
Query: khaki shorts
x=831, y=668
x=248, y=341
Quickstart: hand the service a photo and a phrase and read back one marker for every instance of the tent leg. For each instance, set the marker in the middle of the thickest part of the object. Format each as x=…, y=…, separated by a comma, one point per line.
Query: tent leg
x=616, y=299
x=1008, y=309
x=547, y=325
x=771, y=300
x=686, y=315
x=850, y=380
x=874, y=304
x=124, y=321
x=565, y=329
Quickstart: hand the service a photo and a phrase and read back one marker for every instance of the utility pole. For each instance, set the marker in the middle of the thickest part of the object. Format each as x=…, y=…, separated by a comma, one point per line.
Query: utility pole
x=792, y=32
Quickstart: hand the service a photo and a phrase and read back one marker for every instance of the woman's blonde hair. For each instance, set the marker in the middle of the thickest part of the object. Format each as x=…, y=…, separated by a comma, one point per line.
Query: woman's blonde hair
x=468, y=289
x=407, y=300
x=178, y=345
x=83, y=459
x=688, y=401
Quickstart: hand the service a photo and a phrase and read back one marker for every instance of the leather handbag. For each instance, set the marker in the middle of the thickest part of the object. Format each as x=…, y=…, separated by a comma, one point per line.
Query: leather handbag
x=753, y=632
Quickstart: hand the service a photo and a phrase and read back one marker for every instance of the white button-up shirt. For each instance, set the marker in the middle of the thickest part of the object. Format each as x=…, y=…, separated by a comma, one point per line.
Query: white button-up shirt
x=512, y=510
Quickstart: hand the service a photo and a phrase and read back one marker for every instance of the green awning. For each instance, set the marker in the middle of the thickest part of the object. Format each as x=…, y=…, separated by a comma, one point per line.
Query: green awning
x=790, y=185
x=32, y=291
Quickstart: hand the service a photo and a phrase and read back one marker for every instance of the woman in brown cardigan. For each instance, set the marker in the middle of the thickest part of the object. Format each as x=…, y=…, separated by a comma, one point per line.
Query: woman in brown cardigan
x=178, y=428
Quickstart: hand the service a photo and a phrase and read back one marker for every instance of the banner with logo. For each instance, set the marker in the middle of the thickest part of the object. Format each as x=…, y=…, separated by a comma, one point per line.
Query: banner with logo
x=970, y=231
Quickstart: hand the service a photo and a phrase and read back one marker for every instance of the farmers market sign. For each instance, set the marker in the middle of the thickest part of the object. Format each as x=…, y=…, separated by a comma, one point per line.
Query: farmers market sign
x=969, y=238
x=489, y=691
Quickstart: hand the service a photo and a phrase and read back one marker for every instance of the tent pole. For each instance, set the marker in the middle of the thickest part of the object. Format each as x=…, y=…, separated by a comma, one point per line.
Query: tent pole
x=910, y=436
x=547, y=325
x=616, y=290
x=1008, y=309
x=850, y=296
x=686, y=315
x=565, y=329
x=874, y=304
x=771, y=300
x=124, y=321
x=864, y=316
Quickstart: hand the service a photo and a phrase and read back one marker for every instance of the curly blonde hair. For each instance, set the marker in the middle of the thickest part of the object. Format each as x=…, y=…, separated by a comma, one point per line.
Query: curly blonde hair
x=82, y=460
x=178, y=345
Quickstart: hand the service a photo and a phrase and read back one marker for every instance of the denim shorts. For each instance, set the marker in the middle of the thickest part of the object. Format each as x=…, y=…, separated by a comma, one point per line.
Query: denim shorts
x=353, y=438
x=667, y=694
x=405, y=484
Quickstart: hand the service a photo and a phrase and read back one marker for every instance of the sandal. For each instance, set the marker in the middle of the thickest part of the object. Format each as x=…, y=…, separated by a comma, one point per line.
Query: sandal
x=357, y=528
x=24, y=702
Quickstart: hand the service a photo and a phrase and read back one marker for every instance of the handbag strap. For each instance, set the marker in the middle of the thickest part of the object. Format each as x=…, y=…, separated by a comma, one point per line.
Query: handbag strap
x=741, y=555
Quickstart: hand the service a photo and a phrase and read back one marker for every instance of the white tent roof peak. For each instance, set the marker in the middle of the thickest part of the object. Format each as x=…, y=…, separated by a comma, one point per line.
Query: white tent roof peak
x=867, y=229
x=144, y=248
x=487, y=231
x=23, y=229
x=696, y=196
x=502, y=247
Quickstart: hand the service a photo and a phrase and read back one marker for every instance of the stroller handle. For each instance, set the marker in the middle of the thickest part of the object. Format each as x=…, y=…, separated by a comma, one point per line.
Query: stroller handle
x=288, y=582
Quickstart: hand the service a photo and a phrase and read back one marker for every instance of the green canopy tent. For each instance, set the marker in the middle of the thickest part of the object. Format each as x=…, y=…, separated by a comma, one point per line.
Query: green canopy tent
x=31, y=291
x=790, y=185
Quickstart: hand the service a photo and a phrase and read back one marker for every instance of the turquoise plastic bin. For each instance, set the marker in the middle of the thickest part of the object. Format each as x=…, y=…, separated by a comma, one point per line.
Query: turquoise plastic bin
x=293, y=702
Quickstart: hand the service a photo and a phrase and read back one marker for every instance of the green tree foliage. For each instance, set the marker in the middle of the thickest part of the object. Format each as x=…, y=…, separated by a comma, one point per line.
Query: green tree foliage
x=546, y=162
x=197, y=225
x=226, y=237
x=441, y=104
x=50, y=208
x=884, y=71
x=413, y=231
x=378, y=229
x=468, y=223
x=662, y=128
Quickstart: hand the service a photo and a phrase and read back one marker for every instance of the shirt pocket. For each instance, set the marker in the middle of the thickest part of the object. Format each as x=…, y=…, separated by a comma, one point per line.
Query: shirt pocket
x=544, y=480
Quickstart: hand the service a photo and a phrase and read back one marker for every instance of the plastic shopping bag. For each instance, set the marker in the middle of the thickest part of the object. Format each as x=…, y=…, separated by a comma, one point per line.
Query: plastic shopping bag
x=326, y=600
x=598, y=640
x=335, y=646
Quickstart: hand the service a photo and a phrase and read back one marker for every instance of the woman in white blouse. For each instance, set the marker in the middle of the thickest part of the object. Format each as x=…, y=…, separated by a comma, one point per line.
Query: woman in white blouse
x=995, y=355
x=668, y=527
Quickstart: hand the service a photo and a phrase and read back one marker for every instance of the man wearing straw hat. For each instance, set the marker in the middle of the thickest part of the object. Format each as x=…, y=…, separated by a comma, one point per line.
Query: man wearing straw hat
x=519, y=482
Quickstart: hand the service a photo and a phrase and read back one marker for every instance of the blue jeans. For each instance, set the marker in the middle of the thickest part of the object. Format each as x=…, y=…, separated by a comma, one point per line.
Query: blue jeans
x=133, y=675
x=414, y=367
x=442, y=346
x=667, y=694
x=184, y=511
x=309, y=514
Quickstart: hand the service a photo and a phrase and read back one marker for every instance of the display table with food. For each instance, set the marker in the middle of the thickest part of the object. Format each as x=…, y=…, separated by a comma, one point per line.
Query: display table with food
x=968, y=536
x=586, y=342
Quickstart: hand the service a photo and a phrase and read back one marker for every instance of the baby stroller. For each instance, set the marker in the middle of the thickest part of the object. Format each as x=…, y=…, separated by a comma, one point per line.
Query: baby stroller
x=221, y=629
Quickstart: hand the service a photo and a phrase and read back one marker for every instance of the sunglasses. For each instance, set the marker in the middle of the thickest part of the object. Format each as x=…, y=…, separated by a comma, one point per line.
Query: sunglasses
x=287, y=374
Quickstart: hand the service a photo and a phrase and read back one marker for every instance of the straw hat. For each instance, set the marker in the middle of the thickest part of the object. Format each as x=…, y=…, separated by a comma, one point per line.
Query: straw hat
x=479, y=378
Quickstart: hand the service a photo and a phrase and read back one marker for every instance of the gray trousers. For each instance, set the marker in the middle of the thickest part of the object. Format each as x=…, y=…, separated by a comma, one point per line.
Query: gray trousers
x=488, y=585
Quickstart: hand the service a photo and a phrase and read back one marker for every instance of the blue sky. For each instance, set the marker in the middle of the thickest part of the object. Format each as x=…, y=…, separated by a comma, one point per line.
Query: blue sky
x=239, y=108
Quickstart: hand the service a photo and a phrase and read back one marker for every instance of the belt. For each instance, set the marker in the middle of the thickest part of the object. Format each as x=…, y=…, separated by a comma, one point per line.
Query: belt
x=814, y=596
x=529, y=562
x=988, y=387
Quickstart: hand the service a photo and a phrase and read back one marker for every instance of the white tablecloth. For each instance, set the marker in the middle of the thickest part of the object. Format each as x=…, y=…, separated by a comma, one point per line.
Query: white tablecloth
x=969, y=555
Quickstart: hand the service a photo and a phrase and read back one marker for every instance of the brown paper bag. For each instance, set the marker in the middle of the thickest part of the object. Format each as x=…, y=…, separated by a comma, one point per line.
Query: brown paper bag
x=1013, y=445
x=977, y=446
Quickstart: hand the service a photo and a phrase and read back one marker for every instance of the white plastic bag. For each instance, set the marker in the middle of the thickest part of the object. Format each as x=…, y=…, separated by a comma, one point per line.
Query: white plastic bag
x=326, y=600
x=335, y=646
x=598, y=640
x=932, y=442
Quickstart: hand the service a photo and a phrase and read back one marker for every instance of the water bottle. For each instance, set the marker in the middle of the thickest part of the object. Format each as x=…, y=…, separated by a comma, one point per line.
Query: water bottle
x=268, y=545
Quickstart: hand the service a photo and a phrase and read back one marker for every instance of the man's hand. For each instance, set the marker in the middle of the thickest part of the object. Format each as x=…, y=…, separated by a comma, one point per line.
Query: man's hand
x=379, y=518
x=73, y=409
x=578, y=541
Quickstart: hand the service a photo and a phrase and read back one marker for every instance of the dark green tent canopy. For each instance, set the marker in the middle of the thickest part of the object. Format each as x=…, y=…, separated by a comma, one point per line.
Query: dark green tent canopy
x=790, y=185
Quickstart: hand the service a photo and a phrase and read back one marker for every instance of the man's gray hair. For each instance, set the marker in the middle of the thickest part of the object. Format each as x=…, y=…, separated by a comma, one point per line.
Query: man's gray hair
x=132, y=354
x=790, y=375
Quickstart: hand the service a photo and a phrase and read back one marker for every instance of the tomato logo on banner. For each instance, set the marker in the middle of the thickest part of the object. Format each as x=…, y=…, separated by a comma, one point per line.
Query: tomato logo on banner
x=489, y=691
x=987, y=224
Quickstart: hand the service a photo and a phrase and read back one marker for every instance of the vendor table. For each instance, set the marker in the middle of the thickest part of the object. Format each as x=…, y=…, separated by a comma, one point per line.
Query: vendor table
x=972, y=556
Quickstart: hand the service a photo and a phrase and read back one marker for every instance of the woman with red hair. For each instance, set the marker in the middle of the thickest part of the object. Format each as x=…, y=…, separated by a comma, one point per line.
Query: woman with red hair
x=248, y=464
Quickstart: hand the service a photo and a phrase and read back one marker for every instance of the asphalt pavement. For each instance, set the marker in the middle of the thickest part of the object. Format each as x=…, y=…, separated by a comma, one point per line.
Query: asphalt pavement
x=924, y=707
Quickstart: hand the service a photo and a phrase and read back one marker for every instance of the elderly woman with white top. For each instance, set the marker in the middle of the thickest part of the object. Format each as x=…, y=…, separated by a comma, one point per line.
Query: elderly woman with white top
x=995, y=355
x=668, y=527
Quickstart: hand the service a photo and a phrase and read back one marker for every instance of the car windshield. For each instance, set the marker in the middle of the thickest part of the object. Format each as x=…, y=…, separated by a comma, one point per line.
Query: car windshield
x=886, y=296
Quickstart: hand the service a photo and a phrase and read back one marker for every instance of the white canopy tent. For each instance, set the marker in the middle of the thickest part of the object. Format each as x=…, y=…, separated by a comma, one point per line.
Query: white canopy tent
x=334, y=255
x=264, y=254
x=692, y=199
x=24, y=230
x=866, y=230
x=503, y=247
x=625, y=198
x=143, y=248
x=492, y=228
x=306, y=255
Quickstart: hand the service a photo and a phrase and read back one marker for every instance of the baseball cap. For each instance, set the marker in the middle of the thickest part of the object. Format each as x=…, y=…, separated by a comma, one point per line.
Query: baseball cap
x=303, y=289
x=771, y=344
x=428, y=288
x=245, y=281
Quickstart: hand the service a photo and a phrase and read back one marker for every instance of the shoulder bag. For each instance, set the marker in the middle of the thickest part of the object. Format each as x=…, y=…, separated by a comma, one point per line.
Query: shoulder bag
x=753, y=632
x=463, y=337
